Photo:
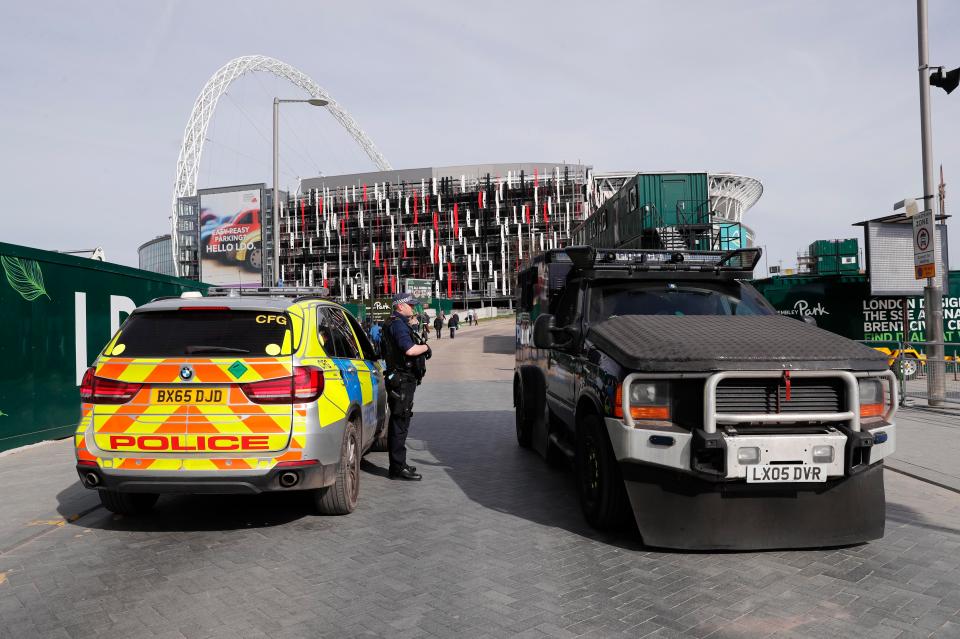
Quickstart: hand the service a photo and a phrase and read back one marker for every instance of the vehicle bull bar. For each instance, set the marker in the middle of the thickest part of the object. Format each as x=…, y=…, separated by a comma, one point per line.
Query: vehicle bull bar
x=711, y=417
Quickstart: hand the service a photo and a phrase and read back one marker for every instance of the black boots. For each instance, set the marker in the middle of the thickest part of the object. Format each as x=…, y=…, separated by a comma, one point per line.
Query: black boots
x=407, y=473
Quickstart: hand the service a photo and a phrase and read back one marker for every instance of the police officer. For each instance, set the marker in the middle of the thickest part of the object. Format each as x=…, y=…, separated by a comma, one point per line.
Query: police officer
x=404, y=355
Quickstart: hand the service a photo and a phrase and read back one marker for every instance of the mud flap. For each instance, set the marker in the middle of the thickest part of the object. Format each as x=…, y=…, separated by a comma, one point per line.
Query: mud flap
x=679, y=511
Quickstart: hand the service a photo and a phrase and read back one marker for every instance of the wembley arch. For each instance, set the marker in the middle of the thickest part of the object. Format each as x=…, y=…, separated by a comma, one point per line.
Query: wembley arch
x=188, y=163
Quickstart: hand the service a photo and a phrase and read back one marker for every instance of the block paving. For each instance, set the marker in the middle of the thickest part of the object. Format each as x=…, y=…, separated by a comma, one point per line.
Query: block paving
x=490, y=544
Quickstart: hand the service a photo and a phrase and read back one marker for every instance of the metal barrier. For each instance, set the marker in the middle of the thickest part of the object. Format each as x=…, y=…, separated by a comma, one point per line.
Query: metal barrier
x=913, y=368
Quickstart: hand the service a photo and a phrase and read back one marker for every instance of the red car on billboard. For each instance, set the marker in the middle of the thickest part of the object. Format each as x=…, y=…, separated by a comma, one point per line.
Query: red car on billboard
x=239, y=235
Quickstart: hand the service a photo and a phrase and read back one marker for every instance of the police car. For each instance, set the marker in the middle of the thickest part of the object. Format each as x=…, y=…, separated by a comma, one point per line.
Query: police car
x=242, y=391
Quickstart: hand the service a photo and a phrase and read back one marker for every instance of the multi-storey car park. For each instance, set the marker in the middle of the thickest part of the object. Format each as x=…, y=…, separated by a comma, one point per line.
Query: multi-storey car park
x=466, y=230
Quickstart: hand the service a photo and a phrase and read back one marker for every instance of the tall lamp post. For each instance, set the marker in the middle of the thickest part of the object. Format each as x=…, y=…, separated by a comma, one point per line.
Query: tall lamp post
x=276, y=178
x=932, y=293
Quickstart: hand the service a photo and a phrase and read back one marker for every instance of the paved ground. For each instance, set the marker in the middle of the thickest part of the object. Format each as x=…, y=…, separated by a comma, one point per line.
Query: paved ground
x=928, y=445
x=491, y=543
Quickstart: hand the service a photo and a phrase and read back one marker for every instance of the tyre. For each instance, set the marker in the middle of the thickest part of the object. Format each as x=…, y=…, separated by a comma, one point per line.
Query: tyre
x=254, y=260
x=603, y=497
x=127, y=503
x=910, y=366
x=341, y=498
x=524, y=423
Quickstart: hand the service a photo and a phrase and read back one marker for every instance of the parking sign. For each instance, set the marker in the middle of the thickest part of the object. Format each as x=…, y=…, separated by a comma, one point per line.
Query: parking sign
x=924, y=260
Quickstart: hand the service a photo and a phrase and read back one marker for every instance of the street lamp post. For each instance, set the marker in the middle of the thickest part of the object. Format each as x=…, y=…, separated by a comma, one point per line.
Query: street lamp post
x=276, y=179
x=933, y=295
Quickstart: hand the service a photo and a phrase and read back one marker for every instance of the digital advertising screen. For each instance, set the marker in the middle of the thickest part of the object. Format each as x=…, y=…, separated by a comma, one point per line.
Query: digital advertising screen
x=231, y=249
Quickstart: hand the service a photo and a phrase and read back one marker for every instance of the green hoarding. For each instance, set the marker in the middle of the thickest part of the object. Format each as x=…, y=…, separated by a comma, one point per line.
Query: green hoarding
x=843, y=304
x=57, y=312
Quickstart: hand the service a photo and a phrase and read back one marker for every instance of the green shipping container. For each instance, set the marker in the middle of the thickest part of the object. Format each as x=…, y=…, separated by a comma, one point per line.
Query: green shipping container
x=828, y=265
x=57, y=312
x=678, y=197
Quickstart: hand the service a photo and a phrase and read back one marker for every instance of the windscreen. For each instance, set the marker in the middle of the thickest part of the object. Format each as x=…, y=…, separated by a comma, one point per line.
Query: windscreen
x=213, y=333
x=614, y=300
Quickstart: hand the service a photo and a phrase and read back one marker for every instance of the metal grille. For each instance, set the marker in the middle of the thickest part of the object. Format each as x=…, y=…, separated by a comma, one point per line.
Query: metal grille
x=760, y=396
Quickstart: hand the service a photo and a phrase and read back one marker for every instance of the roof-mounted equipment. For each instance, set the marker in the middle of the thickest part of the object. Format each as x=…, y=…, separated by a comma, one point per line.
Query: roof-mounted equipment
x=269, y=291
x=738, y=263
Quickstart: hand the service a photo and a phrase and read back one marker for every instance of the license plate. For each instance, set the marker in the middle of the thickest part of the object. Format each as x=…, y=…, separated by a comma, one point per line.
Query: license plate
x=167, y=396
x=785, y=474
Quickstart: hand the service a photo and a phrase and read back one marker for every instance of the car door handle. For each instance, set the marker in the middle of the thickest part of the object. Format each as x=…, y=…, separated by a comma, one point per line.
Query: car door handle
x=351, y=370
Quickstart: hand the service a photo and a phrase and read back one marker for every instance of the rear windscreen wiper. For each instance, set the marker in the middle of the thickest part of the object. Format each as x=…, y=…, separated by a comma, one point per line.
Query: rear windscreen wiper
x=190, y=350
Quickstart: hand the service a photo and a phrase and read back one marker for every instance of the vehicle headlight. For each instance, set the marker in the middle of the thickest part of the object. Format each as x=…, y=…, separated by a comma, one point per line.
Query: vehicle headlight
x=872, y=398
x=648, y=400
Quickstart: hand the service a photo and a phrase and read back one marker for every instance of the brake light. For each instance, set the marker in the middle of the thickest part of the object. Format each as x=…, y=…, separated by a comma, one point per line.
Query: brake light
x=87, y=462
x=204, y=308
x=97, y=390
x=305, y=385
x=86, y=386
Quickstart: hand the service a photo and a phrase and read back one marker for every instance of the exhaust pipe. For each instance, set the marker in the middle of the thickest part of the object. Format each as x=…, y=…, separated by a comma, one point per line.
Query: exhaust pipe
x=289, y=479
x=91, y=480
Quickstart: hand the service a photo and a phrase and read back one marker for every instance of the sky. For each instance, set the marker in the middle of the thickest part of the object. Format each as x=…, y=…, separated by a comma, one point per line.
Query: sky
x=816, y=98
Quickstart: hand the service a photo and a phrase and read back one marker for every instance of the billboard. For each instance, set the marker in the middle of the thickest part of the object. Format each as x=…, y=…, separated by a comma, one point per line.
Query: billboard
x=845, y=305
x=421, y=289
x=231, y=248
x=379, y=308
x=890, y=259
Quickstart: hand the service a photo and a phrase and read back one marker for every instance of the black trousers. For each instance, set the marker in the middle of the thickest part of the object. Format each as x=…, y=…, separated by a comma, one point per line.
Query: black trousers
x=401, y=410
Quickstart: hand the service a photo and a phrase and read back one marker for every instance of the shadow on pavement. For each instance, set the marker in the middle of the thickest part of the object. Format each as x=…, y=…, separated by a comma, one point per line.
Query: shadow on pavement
x=898, y=513
x=480, y=453
x=187, y=513
x=501, y=344
x=370, y=468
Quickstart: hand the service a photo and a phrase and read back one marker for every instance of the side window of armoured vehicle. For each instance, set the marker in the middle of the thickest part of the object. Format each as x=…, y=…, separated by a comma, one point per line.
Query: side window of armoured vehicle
x=335, y=334
x=568, y=306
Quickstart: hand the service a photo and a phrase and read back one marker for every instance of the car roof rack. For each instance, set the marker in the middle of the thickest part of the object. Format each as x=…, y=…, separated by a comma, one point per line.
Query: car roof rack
x=297, y=292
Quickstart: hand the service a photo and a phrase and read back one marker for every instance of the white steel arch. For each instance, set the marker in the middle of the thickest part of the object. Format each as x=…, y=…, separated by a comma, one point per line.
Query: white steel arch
x=188, y=163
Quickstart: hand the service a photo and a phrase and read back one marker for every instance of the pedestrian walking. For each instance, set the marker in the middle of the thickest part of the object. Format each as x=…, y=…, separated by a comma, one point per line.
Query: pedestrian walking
x=453, y=324
x=438, y=324
x=425, y=327
x=406, y=365
x=375, y=332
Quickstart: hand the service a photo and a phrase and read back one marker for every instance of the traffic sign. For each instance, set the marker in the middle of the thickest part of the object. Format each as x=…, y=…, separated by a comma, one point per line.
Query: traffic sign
x=924, y=255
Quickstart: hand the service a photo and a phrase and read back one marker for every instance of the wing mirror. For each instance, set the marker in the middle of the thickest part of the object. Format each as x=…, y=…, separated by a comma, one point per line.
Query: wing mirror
x=547, y=335
x=810, y=319
x=543, y=331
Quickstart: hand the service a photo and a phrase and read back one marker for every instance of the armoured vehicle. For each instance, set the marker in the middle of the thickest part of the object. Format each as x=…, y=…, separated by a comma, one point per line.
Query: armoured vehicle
x=684, y=399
